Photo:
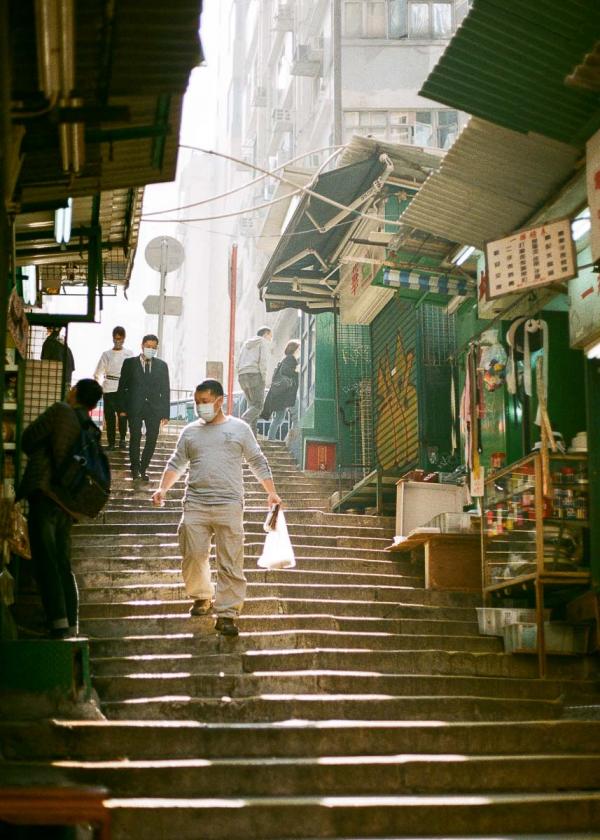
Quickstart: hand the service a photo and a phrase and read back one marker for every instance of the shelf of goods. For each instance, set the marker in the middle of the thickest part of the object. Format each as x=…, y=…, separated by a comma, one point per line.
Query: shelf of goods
x=535, y=531
x=10, y=428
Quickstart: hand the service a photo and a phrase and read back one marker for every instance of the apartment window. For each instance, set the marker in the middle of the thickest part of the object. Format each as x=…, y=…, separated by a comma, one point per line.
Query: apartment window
x=422, y=19
x=437, y=128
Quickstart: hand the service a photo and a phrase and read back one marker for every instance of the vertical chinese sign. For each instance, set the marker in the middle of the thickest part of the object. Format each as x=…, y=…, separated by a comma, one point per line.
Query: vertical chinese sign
x=593, y=190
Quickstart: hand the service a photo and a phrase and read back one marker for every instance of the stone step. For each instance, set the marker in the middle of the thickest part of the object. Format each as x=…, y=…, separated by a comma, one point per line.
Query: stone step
x=153, y=625
x=263, y=606
x=353, y=593
x=167, y=557
x=367, y=775
x=77, y=740
x=271, y=818
x=432, y=662
x=188, y=644
x=159, y=517
x=336, y=682
x=137, y=575
x=273, y=707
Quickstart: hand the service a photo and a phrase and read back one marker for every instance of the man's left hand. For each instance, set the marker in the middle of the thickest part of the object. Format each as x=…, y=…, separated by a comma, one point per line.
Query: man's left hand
x=273, y=499
x=164, y=421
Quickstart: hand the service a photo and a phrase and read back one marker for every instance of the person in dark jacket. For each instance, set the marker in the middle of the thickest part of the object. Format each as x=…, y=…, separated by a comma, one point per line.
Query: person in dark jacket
x=55, y=349
x=48, y=442
x=283, y=390
x=144, y=396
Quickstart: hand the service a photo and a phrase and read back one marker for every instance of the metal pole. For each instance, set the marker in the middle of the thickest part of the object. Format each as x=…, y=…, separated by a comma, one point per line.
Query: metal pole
x=232, y=314
x=161, y=294
x=336, y=47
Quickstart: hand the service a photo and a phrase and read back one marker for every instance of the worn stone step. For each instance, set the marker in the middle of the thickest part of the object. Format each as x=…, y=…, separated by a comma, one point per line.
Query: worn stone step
x=273, y=707
x=315, y=682
x=382, y=596
x=368, y=775
x=392, y=661
x=374, y=816
x=93, y=582
x=258, y=605
x=188, y=644
x=167, y=557
x=336, y=682
x=78, y=740
x=115, y=627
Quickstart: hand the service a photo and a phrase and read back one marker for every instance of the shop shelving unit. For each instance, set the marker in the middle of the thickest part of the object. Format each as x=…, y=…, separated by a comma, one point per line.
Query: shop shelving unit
x=536, y=542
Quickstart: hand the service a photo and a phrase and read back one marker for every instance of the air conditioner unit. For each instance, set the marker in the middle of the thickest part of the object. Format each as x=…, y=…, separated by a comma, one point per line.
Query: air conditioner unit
x=282, y=119
x=247, y=225
x=283, y=20
x=307, y=61
x=259, y=97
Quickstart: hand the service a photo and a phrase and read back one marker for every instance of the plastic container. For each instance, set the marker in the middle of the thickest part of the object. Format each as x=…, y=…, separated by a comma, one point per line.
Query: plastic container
x=492, y=620
x=560, y=638
x=453, y=523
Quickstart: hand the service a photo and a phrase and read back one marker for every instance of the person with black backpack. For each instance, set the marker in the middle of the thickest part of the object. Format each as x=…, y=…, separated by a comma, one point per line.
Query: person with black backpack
x=283, y=389
x=67, y=478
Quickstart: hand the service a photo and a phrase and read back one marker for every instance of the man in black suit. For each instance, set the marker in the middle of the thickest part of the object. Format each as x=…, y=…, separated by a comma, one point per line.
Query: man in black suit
x=144, y=396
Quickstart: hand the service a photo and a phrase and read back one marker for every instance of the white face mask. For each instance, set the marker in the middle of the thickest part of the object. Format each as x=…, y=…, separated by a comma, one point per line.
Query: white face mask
x=206, y=411
x=149, y=352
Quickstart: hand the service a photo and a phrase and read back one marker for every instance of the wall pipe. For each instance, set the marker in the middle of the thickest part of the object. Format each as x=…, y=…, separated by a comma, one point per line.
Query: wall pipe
x=232, y=316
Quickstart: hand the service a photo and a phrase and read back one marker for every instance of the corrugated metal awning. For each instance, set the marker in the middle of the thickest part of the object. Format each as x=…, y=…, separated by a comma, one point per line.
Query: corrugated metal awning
x=508, y=61
x=491, y=181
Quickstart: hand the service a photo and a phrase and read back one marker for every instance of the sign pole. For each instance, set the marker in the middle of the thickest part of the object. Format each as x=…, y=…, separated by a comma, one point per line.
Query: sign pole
x=232, y=312
x=161, y=294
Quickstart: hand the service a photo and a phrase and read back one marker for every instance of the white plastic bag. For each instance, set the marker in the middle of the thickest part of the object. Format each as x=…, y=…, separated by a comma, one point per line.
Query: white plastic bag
x=277, y=551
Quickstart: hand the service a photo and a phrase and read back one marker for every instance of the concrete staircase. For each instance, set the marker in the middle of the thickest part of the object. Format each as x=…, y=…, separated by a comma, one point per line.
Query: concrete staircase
x=354, y=704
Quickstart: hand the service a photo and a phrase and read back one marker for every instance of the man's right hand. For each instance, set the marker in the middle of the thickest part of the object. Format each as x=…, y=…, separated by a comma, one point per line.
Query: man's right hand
x=122, y=414
x=158, y=498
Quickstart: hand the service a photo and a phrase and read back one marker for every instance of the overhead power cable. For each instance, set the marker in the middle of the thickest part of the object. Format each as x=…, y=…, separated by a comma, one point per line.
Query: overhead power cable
x=247, y=184
x=297, y=191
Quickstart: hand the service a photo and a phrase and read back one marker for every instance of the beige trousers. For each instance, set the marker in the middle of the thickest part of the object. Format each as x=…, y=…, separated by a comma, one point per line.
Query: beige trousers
x=196, y=529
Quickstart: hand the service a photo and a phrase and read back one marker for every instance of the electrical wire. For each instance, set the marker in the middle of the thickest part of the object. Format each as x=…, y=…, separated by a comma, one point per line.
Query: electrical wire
x=297, y=191
x=243, y=186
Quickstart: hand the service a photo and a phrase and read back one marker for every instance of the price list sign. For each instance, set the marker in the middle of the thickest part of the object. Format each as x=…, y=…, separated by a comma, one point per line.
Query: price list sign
x=530, y=258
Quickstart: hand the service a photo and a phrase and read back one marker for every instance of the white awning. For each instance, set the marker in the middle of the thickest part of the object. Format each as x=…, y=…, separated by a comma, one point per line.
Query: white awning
x=490, y=182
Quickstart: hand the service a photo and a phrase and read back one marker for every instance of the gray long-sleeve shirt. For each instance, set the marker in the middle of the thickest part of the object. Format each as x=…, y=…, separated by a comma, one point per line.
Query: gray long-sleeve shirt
x=215, y=453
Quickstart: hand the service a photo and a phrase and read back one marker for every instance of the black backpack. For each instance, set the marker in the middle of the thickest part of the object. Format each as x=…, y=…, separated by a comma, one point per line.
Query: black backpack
x=84, y=478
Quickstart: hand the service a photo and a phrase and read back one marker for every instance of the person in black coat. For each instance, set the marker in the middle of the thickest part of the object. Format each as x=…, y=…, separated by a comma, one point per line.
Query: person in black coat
x=144, y=396
x=283, y=390
x=55, y=349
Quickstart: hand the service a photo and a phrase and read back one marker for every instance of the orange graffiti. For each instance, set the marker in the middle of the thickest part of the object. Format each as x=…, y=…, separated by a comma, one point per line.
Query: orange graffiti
x=397, y=410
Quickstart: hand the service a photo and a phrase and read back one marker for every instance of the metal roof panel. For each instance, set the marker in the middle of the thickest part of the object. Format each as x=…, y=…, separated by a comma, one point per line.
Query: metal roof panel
x=491, y=181
x=508, y=61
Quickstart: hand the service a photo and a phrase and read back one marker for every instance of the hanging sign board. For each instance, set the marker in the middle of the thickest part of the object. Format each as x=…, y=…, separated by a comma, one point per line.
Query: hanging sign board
x=530, y=258
x=593, y=191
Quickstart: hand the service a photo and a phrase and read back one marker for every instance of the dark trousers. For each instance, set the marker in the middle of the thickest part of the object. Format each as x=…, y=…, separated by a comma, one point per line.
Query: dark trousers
x=152, y=424
x=111, y=413
x=50, y=540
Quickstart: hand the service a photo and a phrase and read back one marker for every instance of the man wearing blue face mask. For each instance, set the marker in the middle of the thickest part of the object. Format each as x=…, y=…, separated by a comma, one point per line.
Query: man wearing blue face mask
x=144, y=396
x=214, y=448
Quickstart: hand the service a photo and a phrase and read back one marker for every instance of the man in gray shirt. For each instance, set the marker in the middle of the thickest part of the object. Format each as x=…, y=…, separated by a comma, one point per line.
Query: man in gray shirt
x=214, y=447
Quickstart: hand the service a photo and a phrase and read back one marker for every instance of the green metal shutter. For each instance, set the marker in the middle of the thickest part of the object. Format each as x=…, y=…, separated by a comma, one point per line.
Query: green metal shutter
x=395, y=403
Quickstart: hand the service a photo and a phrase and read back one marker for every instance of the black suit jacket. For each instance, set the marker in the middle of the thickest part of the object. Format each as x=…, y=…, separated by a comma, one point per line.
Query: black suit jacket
x=133, y=388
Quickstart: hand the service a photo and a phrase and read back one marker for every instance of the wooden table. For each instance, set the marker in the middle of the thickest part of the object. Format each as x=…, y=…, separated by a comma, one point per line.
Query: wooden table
x=452, y=561
x=56, y=806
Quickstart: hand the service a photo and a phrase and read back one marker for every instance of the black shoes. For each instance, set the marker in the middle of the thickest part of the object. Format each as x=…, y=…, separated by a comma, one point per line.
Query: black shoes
x=144, y=476
x=123, y=445
x=201, y=607
x=226, y=626
x=109, y=448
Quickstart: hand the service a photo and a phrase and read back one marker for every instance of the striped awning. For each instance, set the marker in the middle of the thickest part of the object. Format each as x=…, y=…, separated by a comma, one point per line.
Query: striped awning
x=417, y=281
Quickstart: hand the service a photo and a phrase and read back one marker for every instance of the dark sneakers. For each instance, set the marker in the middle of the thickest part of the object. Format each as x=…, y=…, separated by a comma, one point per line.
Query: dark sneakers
x=226, y=626
x=201, y=607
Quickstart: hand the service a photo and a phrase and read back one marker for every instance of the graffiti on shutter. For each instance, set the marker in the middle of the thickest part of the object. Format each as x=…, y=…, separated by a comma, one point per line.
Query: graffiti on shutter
x=396, y=406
